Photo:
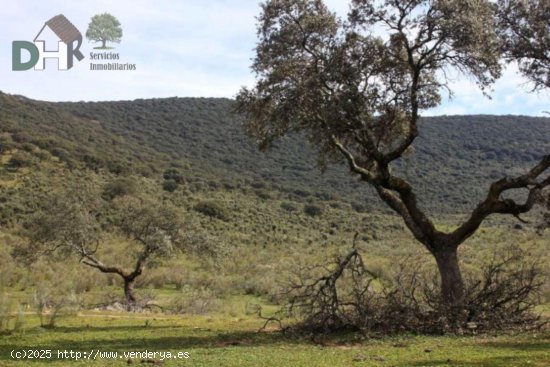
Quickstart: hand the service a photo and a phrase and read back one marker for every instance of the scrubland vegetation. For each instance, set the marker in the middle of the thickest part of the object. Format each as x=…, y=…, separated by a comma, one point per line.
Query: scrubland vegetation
x=157, y=223
x=267, y=230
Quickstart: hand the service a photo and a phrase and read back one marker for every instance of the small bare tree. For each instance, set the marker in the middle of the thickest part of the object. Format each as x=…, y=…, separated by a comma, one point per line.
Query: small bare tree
x=75, y=224
x=157, y=229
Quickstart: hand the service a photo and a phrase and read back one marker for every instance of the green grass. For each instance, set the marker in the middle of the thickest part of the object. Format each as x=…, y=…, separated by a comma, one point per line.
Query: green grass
x=235, y=341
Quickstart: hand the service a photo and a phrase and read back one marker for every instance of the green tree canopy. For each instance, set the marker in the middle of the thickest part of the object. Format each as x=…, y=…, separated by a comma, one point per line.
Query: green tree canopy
x=358, y=96
x=104, y=27
x=525, y=27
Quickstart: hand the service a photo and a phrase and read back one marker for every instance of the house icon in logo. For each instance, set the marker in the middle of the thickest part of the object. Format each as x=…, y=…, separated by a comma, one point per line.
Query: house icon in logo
x=68, y=45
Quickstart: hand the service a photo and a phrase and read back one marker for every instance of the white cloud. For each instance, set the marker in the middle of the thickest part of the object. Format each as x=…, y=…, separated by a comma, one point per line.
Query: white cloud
x=187, y=48
x=509, y=95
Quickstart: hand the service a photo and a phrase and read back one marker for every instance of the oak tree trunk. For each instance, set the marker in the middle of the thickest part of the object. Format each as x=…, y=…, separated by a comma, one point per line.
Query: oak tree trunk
x=452, y=285
x=129, y=291
x=104, y=43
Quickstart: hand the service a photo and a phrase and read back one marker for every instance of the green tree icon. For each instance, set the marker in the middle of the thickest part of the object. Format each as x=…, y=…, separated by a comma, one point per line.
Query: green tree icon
x=104, y=27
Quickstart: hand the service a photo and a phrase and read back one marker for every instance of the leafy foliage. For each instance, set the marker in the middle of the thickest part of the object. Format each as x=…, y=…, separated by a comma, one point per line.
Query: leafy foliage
x=526, y=38
x=170, y=185
x=357, y=96
x=104, y=27
x=212, y=209
x=313, y=210
x=119, y=187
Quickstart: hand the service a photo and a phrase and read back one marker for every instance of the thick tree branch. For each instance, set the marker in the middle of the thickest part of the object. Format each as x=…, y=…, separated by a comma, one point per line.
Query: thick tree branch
x=127, y=276
x=138, y=269
x=95, y=263
x=408, y=197
x=399, y=195
x=494, y=204
x=354, y=167
x=397, y=204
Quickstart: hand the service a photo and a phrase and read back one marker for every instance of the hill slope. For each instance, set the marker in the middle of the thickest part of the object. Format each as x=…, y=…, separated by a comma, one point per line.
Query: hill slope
x=456, y=156
x=271, y=213
x=455, y=159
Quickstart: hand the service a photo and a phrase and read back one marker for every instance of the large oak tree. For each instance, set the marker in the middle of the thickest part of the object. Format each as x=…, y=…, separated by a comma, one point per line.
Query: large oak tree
x=358, y=96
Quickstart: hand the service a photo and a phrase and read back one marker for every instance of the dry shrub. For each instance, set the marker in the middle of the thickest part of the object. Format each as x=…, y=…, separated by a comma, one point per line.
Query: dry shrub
x=331, y=300
x=194, y=301
x=5, y=309
x=49, y=303
x=347, y=296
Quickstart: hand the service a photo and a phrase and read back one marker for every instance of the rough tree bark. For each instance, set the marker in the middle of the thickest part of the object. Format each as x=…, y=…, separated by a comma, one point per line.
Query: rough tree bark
x=361, y=97
x=129, y=291
x=129, y=294
x=128, y=278
x=399, y=195
x=452, y=285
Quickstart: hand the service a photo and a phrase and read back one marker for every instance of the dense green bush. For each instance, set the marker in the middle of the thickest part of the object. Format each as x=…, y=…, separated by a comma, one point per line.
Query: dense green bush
x=27, y=147
x=119, y=187
x=116, y=167
x=170, y=185
x=173, y=174
x=359, y=207
x=313, y=210
x=213, y=210
x=263, y=194
x=20, y=159
x=289, y=207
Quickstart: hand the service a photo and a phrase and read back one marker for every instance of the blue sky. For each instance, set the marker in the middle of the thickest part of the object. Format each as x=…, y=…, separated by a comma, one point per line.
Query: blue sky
x=189, y=48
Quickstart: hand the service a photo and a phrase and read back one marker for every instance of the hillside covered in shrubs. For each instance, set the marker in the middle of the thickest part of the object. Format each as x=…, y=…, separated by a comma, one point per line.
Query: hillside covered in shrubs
x=200, y=141
x=269, y=214
x=452, y=151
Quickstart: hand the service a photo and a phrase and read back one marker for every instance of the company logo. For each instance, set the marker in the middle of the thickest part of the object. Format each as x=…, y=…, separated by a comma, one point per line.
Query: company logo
x=102, y=28
x=68, y=45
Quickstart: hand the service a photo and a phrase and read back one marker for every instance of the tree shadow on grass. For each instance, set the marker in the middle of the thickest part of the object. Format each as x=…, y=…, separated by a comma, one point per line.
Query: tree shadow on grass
x=537, y=348
x=113, y=328
x=543, y=345
x=489, y=361
x=152, y=338
x=171, y=338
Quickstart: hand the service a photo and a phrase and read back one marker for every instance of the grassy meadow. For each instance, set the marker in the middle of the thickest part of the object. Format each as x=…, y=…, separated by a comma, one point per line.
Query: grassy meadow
x=232, y=339
x=217, y=323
